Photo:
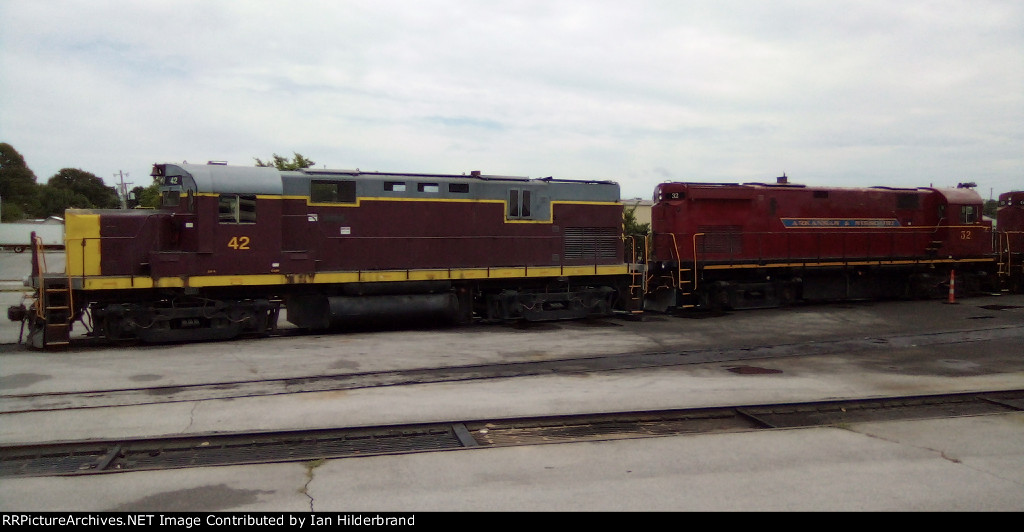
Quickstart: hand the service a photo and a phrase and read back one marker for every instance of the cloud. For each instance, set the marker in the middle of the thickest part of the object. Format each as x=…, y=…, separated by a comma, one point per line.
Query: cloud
x=843, y=93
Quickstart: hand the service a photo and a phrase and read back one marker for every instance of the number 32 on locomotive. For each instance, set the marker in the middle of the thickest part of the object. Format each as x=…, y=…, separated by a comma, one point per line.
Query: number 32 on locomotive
x=239, y=243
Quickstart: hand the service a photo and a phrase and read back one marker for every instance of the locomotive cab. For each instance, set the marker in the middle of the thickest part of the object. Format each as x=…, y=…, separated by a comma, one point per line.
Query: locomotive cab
x=175, y=187
x=213, y=208
x=961, y=230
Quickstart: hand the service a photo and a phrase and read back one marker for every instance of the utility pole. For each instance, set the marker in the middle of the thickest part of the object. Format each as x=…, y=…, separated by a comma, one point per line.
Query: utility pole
x=123, y=192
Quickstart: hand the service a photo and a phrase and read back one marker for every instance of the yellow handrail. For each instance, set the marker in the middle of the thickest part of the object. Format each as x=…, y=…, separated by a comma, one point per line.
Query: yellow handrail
x=695, y=235
x=679, y=263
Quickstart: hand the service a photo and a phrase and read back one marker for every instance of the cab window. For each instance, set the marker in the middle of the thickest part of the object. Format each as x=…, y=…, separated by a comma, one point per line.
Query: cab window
x=237, y=209
x=170, y=198
x=968, y=214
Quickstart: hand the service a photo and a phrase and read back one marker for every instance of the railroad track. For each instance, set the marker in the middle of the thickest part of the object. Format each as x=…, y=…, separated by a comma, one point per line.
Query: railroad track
x=15, y=403
x=112, y=456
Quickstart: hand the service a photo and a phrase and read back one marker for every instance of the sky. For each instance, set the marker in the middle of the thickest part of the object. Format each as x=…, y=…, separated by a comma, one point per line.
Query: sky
x=831, y=93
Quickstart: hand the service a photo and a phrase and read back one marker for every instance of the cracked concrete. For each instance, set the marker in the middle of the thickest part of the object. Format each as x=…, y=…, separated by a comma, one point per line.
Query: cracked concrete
x=310, y=467
x=958, y=441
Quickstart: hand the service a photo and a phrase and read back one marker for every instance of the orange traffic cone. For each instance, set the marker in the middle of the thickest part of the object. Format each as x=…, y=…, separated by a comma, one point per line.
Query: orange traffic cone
x=952, y=287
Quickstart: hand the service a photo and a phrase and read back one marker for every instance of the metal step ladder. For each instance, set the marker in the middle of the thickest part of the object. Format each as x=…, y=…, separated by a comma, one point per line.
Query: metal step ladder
x=637, y=274
x=1004, y=254
x=54, y=307
x=686, y=278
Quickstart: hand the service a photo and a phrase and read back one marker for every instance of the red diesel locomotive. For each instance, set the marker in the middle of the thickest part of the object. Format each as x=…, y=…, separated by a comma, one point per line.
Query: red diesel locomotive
x=761, y=245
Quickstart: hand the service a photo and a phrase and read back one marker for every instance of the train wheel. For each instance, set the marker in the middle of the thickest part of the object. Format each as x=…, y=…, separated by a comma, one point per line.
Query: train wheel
x=716, y=298
x=1017, y=284
x=920, y=286
x=786, y=294
x=112, y=328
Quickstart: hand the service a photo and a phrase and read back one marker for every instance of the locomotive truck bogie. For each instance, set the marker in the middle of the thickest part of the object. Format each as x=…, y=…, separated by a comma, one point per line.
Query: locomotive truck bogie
x=549, y=305
x=183, y=321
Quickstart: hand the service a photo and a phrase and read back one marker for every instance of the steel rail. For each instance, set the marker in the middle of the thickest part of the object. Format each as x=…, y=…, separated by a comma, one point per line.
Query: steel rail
x=208, y=450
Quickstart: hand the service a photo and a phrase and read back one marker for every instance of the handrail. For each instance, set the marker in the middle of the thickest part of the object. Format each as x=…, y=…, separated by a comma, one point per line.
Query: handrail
x=695, y=235
x=679, y=260
x=40, y=258
x=679, y=263
x=71, y=293
x=1005, y=253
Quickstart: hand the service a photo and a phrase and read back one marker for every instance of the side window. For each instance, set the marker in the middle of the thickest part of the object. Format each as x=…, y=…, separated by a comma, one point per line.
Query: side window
x=170, y=198
x=968, y=214
x=394, y=186
x=520, y=204
x=237, y=209
x=332, y=191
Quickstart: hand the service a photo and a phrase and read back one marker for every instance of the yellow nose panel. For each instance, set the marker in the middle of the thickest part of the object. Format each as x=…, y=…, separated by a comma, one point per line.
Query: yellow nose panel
x=82, y=242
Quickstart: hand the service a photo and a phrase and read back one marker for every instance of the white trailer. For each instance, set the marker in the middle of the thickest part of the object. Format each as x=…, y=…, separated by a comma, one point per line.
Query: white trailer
x=18, y=236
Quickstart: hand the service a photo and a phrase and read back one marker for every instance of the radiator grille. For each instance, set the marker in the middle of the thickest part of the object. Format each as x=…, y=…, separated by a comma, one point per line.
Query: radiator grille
x=720, y=239
x=591, y=242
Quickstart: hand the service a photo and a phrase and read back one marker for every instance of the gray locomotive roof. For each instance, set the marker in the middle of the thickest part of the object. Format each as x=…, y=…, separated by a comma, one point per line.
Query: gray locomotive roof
x=371, y=184
x=224, y=179
x=219, y=178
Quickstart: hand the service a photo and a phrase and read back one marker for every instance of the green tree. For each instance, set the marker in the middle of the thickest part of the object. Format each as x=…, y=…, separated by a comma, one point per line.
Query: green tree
x=98, y=194
x=635, y=247
x=298, y=162
x=145, y=197
x=990, y=208
x=133, y=197
x=18, y=188
x=630, y=227
x=53, y=201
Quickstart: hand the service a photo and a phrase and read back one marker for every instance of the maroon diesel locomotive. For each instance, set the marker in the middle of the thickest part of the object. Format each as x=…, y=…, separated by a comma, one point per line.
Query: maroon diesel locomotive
x=1010, y=239
x=230, y=245
x=761, y=245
